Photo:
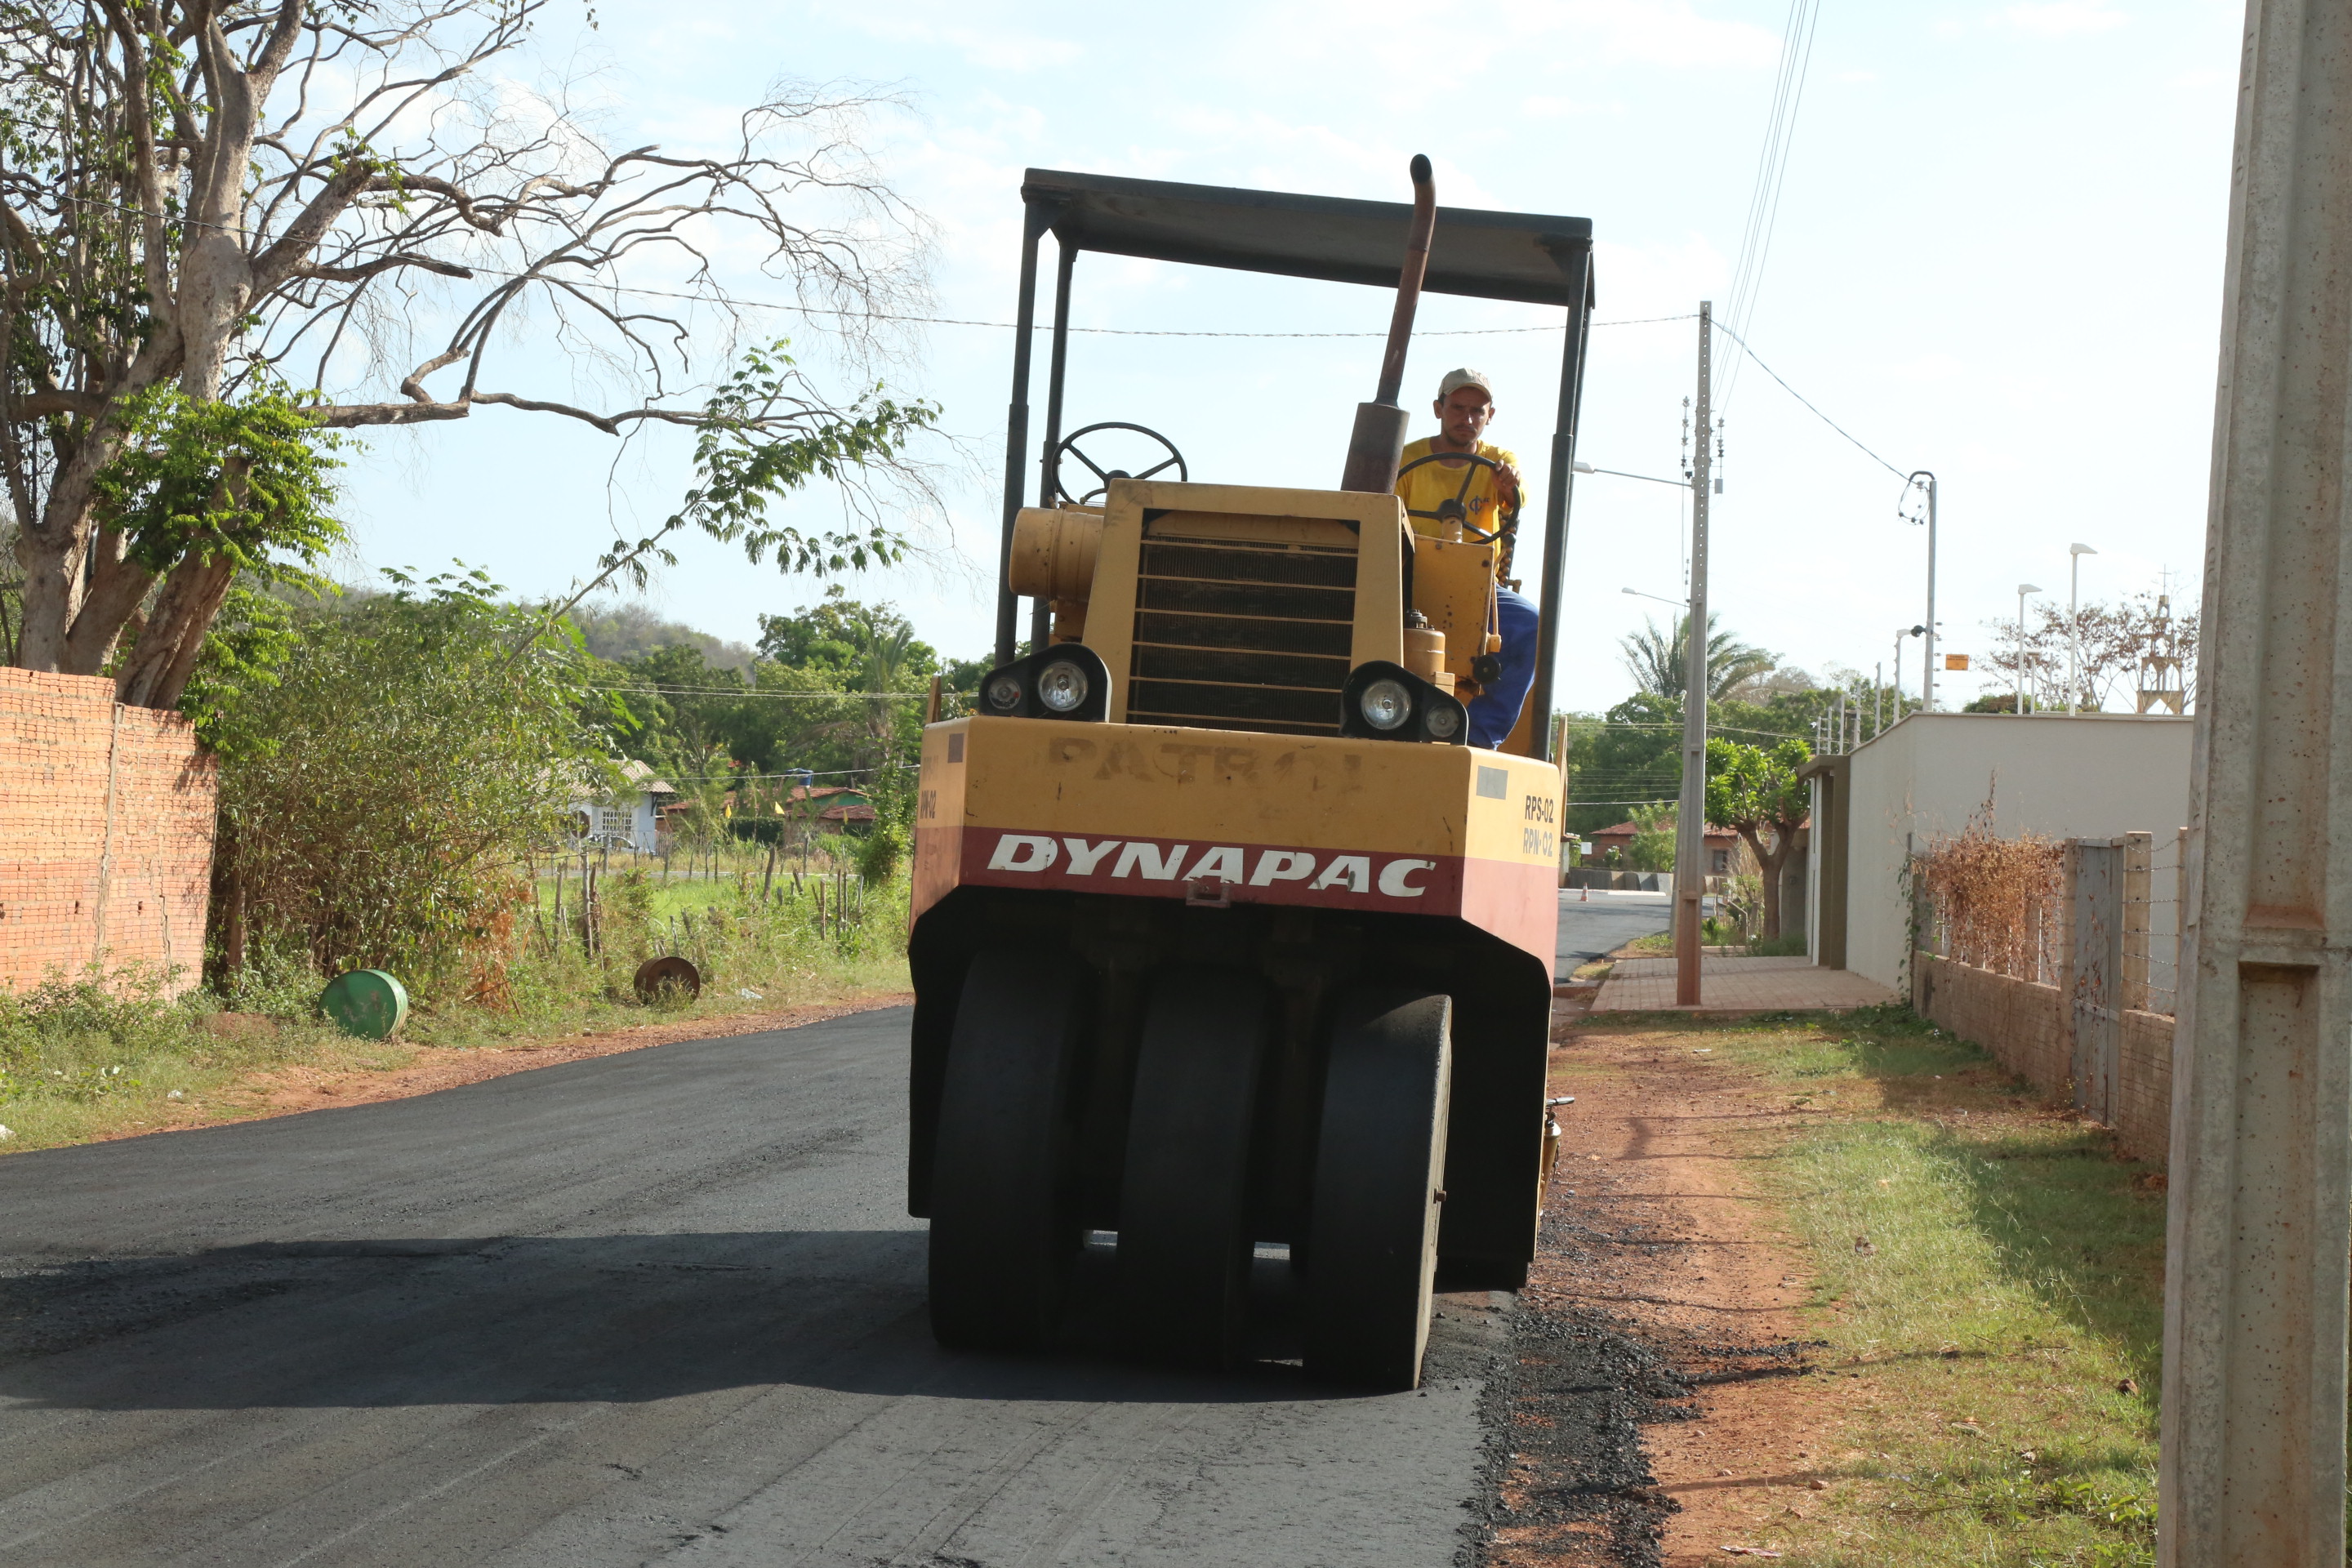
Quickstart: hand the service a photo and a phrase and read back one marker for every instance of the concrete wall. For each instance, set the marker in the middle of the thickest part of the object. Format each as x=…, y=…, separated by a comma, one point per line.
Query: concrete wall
x=2091, y=776
x=106, y=833
x=2021, y=1022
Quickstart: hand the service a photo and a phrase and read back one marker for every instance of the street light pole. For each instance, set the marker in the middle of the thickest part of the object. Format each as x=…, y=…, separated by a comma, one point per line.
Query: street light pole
x=1927, y=684
x=2073, y=624
x=2022, y=589
x=1900, y=633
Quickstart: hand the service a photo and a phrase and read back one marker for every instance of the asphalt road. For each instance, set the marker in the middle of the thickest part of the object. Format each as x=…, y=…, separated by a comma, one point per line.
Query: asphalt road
x=662, y=1306
x=1593, y=929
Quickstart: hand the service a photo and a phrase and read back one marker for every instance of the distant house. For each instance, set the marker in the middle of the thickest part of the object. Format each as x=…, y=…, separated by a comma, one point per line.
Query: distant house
x=835, y=809
x=630, y=820
x=1726, y=854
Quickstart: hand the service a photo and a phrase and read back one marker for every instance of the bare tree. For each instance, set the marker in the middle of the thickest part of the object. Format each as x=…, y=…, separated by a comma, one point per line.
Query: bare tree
x=2116, y=640
x=206, y=204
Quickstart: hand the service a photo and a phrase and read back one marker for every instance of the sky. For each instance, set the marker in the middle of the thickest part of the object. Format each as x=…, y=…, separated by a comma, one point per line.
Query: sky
x=1996, y=255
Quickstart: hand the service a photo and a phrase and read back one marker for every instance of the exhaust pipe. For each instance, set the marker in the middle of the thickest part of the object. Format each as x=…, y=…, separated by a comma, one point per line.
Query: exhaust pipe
x=1378, y=438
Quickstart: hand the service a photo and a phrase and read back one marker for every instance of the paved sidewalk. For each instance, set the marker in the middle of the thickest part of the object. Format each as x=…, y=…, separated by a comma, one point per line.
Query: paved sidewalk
x=1736, y=985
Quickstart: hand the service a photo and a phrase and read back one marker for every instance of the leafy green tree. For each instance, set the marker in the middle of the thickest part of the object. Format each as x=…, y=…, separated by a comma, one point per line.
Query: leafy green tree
x=407, y=762
x=1753, y=791
x=1653, y=848
x=835, y=633
x=1659, y=664
x=824, y=694
x=1631, y=754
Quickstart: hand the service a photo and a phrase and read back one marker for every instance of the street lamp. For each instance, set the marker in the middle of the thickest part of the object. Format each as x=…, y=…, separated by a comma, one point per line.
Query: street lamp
x=1584, y=467
x=2075, y=622
x=2022, y=589
x=1927, y=684
x=1678, y=603
x=1900, y=633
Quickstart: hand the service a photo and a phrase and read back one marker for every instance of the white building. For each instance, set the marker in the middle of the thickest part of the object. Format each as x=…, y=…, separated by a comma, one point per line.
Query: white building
x=2054, y=775
x=629, y=820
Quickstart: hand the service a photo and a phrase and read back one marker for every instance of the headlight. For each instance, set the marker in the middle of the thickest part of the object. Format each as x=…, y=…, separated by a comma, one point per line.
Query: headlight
x=1067, y=681
x=1385, y=701
x=1385, y=704
x=1062, y=687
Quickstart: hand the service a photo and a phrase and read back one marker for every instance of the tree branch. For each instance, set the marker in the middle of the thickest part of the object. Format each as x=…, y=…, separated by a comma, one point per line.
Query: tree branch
x=382, y=264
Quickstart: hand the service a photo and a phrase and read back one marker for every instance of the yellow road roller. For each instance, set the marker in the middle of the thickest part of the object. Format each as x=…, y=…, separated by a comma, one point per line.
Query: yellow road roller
x=1228, y=949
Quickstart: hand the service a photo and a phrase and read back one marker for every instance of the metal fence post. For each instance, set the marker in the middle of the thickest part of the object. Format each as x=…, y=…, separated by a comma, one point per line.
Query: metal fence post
x=2139, y=867
x=2260, y=1214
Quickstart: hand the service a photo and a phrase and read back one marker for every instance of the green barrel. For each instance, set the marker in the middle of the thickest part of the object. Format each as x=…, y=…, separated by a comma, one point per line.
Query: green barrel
x=366, y=1001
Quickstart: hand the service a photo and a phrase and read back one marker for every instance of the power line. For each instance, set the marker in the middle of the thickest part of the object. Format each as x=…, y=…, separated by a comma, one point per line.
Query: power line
x=1808, y=402
x=1771, y=171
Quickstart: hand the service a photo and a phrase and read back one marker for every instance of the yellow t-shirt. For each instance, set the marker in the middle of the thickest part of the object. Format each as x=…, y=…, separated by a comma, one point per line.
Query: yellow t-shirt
x=1431, y=483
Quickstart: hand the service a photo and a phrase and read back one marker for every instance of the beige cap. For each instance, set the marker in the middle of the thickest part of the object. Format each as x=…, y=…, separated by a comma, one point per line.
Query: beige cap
x=1456, y=380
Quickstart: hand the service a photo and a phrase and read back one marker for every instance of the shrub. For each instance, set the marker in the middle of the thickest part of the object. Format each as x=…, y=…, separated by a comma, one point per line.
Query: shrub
x=414, y=749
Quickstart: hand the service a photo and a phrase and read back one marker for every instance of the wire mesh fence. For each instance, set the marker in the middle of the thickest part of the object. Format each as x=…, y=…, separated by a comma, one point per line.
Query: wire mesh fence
x=1992, y=902
x=2154, y=892
x=2016, y=905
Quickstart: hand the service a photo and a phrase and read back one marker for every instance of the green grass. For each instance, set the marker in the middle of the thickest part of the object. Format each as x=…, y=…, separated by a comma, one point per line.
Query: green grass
x=80, y=1061
x=1990, y=1292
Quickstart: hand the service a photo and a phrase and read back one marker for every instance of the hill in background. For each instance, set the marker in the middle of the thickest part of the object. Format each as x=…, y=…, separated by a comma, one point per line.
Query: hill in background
x=620, y=632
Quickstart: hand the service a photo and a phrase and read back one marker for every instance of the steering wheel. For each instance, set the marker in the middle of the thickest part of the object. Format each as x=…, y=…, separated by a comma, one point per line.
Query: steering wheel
x=1454, y=510
x=1070, y=447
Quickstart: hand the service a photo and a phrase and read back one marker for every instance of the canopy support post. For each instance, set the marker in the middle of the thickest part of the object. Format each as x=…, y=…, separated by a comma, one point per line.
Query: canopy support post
x=1036, y=217
x=1041, y=615
x=1557, y=489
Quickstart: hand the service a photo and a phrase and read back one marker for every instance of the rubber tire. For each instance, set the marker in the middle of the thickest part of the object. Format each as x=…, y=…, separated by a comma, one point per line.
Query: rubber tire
x=1004, y=1224
x=1372, y=1244
x=1184, y=1218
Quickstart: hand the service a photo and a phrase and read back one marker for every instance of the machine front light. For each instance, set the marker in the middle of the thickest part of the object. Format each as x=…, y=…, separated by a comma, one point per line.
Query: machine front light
x=1004, y=693
x=1385, y=704
x=1062, y=687
x=1441, y=723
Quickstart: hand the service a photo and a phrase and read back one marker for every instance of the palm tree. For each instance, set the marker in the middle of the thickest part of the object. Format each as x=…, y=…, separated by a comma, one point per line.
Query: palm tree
x=887, y=655
x=1657, y=665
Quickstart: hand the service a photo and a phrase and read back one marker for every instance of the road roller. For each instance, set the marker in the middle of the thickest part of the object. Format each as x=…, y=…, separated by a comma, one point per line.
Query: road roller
x=1230, y=954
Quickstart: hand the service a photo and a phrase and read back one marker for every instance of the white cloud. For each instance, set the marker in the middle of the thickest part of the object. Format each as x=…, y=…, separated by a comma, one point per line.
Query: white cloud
x=1541, y=106
x=2066, y=18
x=992, y=51
x=1657, y=280
x=1393, y=37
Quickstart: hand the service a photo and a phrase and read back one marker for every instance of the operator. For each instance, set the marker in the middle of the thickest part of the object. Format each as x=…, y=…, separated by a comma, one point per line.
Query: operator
x=1465, y=408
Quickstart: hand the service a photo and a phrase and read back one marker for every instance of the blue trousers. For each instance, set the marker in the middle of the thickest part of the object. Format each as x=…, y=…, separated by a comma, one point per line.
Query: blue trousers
x=1494, y=711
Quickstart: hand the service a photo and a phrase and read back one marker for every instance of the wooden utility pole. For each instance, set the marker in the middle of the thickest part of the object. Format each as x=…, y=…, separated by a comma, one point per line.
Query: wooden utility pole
x=2260, y=1218
x=1690, y=825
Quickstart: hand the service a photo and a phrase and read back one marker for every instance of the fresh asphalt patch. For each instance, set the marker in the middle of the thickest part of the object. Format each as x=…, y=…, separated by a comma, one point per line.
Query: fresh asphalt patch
x=665, y=1304
x=639, y=1309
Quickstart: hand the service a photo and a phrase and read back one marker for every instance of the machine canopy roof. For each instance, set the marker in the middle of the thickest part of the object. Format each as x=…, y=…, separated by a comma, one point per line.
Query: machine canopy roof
x=1488, y=255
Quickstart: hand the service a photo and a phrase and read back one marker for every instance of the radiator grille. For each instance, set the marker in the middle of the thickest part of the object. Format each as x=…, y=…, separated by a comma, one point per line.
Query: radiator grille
x=1238, y=636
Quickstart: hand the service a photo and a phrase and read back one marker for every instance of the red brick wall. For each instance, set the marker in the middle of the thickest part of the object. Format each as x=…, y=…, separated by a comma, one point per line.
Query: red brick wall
x=2021, y=1022
x=106, y=834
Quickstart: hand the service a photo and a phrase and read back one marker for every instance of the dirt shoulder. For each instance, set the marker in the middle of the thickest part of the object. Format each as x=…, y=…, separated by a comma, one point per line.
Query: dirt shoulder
x=1664, y=1414
x=426, y=1070
x=1827, y=1288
